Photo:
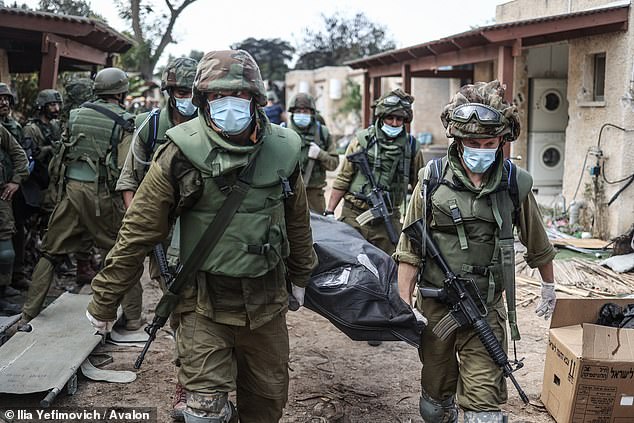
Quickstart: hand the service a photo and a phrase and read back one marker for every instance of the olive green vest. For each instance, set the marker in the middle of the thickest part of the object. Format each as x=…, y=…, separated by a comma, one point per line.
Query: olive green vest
x=153, y=133
x=318, y=134
x=6, y=167
x=255, y=241
x=13, y=127
x=93, y=144
x=390, y=163
x=475, y=233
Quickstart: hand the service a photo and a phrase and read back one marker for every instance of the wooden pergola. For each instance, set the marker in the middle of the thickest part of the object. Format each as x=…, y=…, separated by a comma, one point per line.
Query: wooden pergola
x=500, y=43
x=49, y=43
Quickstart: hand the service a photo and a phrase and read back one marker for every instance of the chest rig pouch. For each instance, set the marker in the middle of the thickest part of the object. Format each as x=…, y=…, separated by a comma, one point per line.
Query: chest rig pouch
x=475, y=231
x=255, y=241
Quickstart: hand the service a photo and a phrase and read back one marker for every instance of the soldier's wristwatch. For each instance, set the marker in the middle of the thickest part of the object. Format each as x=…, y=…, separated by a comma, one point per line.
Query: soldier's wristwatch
x=328, y=213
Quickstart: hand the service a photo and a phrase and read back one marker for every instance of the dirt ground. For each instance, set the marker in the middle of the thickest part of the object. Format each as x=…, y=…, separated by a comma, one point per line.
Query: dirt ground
x=332, y=378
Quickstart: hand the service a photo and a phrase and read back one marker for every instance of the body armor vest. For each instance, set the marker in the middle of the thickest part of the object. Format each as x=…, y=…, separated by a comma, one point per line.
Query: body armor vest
x=153, y=134
x=94, y=139
x=255, y=241
x=389, y=161
x=318, y=134
x=475, y=232
x=13, y=127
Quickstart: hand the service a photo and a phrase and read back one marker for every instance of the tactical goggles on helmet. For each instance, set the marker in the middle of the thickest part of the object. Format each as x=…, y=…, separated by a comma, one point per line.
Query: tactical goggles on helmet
x=486, y=115
x=393, y=100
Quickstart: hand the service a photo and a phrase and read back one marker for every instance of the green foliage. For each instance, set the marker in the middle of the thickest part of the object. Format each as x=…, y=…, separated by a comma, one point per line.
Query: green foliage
x=196, y=55
x=351, y=102
x=69, y=7
x=26, y=87
x=342, y=39
x=272, y=55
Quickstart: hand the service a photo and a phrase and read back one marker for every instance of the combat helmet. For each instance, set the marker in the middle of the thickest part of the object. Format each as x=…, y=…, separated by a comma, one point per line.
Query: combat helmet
x=5, y=90
x=111, y=81
x=228, y=70
x=302, y=101
x=480, y=111
x=179, y=73
x=79, y=91
x=47, y=96
x=397, y=102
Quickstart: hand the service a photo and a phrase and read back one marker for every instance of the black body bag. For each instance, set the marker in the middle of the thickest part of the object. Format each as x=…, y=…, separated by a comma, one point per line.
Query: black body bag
x=355, y=286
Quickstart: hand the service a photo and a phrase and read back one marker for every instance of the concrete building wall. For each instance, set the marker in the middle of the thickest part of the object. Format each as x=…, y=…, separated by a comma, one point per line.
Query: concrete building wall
x=431, y=95
x=529, y=9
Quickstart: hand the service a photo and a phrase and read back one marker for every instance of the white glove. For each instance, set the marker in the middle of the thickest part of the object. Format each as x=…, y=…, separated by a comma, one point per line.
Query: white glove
x=298, y=293
x=419, y=317
x=547, y=302
x=100, y=326
x=313, y=151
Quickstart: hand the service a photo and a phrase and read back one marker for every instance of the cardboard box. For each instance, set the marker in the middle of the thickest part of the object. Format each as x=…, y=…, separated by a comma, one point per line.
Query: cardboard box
x=589, y=369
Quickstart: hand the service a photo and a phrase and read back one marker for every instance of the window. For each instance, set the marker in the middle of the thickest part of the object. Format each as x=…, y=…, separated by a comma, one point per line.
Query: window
x=598, y=92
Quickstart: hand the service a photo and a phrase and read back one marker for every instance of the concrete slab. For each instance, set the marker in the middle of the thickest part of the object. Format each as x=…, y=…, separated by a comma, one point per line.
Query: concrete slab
x=46, y=358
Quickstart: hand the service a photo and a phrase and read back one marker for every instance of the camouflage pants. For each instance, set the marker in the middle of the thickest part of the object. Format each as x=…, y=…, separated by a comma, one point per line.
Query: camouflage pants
x=221, y=358
x=316, y=200
x=374, y=232
x=72, y=218
x=461, y=365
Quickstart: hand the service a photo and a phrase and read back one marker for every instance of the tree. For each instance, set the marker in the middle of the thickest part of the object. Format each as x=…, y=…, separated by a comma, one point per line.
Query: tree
x=342, y=39
x=272, y=55
x=69, y=7
x=151, y=29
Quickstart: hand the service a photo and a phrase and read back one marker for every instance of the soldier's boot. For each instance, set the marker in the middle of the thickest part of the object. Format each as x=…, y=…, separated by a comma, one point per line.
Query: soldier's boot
x=485, y=417
x=85, y=272
x=209, y=408
x=435, y=411
x=179, y=404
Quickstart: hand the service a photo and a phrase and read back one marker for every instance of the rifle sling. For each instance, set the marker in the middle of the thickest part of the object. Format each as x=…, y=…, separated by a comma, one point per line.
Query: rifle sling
x=217, y=227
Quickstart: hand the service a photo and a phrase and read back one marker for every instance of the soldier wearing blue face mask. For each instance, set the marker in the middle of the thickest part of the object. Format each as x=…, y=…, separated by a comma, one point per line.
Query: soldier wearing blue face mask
x=395, y=159
x=471, y=200
x=319, y=152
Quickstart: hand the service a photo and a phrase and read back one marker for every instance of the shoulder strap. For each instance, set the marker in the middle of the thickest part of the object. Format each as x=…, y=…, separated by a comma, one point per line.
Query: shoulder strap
x=513, y=188
x=150, y=143
x=127, y=125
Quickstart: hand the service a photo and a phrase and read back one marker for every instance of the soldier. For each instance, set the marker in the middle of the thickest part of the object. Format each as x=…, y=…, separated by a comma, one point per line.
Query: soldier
x=474, y=198
x=394, y=157
x=319, y=152
x=273, y=109
x=13, y=169
x=7, y=102
x=177, y=80
x=99, y=135
x=78, y=91
x=232, y=315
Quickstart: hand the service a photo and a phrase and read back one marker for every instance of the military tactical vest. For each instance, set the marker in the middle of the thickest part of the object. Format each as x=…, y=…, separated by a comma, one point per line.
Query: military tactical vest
x=390, y=161
x=475, y=232
x=153, y=134
x=93, y=144
x=13, y=127
x=318, y=134
x=255, y=241
x=6, y=167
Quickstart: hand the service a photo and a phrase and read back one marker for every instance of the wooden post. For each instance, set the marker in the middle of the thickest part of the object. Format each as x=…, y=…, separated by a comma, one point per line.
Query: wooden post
x=406, y=75
x=50, y=63
x=506, y=74
x=376, y=93
x=366, y=112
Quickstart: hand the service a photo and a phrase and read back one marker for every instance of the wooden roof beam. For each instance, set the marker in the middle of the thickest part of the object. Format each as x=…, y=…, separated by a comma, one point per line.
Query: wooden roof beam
x=74, y=50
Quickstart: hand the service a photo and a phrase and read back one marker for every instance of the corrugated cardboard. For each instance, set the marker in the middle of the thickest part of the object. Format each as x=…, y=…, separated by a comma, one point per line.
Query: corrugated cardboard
x=589, y=369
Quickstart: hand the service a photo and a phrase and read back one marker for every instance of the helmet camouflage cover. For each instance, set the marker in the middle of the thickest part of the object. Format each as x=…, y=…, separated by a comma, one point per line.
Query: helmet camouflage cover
x=229, y=70
x=302, y=101
x=47, y=96
x=79, y=90
x=5, y=90
x=111, y=81
x=396, y=102
x=490, y=94
x=180, y=73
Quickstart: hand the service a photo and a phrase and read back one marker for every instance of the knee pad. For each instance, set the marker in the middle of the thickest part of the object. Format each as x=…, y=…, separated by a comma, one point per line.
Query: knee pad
x=485, y=416
x=209, y=408
x=7, y=255
x=434, y=411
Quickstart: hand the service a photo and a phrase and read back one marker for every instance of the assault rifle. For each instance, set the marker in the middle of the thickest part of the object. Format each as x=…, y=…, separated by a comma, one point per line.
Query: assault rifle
x=376, y=197
x=466, y=307
x=168, y=301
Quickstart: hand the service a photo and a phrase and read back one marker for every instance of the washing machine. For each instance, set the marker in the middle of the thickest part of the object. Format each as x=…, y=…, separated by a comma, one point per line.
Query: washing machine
x=548, y=105
x=546, y=158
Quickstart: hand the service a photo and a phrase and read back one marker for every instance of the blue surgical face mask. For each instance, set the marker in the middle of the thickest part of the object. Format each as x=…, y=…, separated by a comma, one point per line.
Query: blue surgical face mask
x=391, y=131
x=231, y=114
x=302, y=119
x=478, y=160
x=185, y=106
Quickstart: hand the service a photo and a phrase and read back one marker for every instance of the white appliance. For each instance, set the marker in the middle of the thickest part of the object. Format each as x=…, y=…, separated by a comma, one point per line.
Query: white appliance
x=546, y=158
x=549, y=106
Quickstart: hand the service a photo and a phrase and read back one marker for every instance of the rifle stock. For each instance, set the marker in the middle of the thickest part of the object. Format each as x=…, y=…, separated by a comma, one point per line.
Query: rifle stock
x=464, y=309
